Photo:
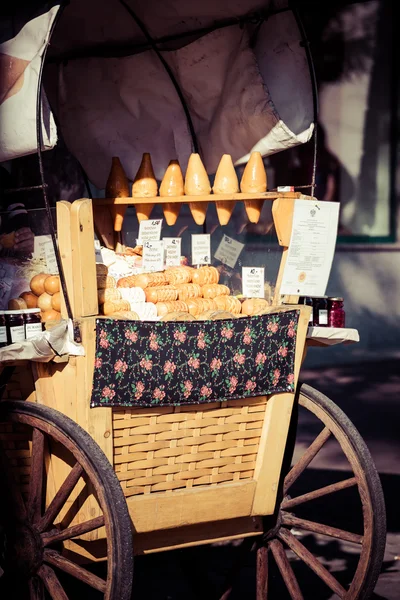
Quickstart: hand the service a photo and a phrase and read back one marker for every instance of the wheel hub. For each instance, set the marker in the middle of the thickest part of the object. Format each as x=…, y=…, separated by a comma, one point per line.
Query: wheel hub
x=23, y=550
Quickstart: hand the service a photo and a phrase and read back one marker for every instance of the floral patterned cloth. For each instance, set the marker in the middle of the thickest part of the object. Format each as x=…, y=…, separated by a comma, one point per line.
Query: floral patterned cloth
x=191, y=362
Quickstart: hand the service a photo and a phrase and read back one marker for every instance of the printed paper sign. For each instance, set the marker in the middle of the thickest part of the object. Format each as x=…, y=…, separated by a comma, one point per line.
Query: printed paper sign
x=153, y=256
x=311, y=250
x=50, y=258
x=97, y=252
x=149, y=230
x=201, y=249
x=172, y=248
x=228, y=251
x=253, y=282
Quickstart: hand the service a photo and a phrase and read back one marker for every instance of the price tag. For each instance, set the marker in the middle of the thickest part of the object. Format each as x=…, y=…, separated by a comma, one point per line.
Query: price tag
x=172, y=248
x=50, y=258
x=153, y=256
x=253, y=282
x=201, y=249
x=228, y=251
x=97, y=252
x=149, y=231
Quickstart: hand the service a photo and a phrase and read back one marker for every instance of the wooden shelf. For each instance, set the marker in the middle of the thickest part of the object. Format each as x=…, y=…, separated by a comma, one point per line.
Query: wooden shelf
x=204, y=198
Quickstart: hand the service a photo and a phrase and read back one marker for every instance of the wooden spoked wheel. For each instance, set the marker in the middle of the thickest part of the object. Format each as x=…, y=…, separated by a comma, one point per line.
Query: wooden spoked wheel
x=296, y=547
x=38, y=518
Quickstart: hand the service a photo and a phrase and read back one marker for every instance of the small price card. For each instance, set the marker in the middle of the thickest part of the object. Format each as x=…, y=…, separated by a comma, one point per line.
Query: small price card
x=97, y=252
x=201, y=249
x=253, y=282
x=149, y=231
x=50, y=258
x=39, y=249
x=228, y=251
x=153, y=256
x=172, y=248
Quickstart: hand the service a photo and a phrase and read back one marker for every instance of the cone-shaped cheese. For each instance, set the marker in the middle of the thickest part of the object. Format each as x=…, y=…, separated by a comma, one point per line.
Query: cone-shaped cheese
x=197, y=184
x=254, y=180
x=117, y=186
x=172, y=186
x=226, y=182
x=144, y=186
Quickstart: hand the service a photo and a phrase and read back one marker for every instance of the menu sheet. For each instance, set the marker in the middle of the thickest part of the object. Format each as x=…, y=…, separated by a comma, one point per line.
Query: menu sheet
x=311, y=249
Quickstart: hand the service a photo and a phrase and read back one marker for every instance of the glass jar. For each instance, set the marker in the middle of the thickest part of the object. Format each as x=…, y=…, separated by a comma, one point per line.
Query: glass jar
x=336, y=313
x=15, y=326
x=320, y=312
x=308, y=302
x=3, y=329
x=33, y=323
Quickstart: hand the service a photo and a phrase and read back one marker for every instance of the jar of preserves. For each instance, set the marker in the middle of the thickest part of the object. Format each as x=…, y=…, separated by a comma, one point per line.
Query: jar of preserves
x=336, y=313
x=3, y=329
x=320, y=312
x=33, y=322
x=308, y=302
x=15, y=326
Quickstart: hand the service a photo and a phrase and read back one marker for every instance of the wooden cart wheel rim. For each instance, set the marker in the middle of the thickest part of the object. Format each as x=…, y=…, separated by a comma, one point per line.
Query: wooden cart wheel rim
x=47, y=421
x=367, y=479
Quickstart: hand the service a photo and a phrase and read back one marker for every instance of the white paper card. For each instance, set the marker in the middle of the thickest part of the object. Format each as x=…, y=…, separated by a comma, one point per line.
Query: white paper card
x=201, y=249
x=97, y=252
x=172, y=248
x=311, y=250
x=39, y=246
x=50, y=255
x=253, y=282
x=150, y=230
x=228, y=251
x=153, y=256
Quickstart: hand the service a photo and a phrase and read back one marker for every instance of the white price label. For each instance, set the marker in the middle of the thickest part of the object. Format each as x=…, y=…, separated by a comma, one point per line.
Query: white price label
x=228, y=251
x=149, y=231
x=253, y=282
x=50, y=255
x=153, y=256
x=97, y=252
x=201, y=249
x=39, y=248
x=172, y=248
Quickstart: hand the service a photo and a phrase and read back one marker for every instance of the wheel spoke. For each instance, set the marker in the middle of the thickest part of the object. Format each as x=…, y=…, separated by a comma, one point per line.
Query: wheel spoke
x=36, y=591
x=52, y=583
x=56, y=560
x=262, y=573
x=60, y=498
x=307, y=457
x=340, y=534
x=14, y=499
x=286, y=570
x=328, y=489
x=34, y=504
x=57, y=536
x=311, y=561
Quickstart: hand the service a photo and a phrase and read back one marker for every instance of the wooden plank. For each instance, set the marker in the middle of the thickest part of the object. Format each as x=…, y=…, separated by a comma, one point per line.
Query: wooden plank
x=197, y=535
x=83, y=259
x=240, y=196
x=274, y=433
x=152, y=512
x=63, y=211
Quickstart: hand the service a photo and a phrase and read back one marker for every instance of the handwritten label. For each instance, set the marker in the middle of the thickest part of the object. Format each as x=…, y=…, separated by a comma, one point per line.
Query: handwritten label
x=51, y=260
x=228, y=251
x=149, y=231
x=172, y=248
x=40, y=245
x=153, y=256
x=97, y=252
x=201, y=249
x=253, y=282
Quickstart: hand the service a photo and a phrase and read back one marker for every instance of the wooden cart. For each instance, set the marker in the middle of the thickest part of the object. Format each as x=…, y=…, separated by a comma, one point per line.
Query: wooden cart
x=81, y=481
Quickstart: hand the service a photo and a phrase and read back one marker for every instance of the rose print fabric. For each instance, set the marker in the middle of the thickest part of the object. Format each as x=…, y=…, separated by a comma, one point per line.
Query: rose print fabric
x=191, y=362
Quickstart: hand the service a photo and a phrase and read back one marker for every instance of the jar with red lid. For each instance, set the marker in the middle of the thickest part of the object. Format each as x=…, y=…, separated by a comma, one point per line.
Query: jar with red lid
x=336, y=313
